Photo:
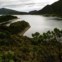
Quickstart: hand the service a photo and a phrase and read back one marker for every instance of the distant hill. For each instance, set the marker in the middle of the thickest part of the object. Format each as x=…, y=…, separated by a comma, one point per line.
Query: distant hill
x=10, y=11
x=54, y=9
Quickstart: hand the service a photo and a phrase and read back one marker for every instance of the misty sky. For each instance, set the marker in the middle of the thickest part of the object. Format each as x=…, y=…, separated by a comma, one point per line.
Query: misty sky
x=25, y=5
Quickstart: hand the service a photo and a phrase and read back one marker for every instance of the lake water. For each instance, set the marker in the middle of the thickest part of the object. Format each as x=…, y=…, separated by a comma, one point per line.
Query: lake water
x=40, y=23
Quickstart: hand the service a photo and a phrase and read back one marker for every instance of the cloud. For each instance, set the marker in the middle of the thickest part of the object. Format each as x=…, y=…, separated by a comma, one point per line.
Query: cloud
x=23, y=4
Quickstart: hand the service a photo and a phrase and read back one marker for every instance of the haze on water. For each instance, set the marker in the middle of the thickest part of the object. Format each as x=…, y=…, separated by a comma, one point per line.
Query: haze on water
x=40, y=23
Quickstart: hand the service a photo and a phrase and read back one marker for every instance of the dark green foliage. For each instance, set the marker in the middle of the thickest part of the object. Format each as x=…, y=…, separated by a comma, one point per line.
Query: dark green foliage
x=6, y=18
x=40, y=48
x=18, y=27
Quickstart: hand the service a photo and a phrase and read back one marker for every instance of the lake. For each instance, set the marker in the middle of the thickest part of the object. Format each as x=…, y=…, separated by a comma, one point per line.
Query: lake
x=40, y=23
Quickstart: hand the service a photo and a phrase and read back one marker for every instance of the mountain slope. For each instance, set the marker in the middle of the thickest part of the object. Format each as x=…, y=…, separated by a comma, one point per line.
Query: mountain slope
x=9, y=11
x=55, y=9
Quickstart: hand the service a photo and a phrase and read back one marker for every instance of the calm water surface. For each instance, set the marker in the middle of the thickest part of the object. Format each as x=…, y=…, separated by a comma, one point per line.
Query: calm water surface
x=40, y=23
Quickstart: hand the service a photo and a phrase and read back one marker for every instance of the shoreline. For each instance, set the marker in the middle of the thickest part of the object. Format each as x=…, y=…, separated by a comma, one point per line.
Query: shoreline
x=7, y=22
x=22, y=33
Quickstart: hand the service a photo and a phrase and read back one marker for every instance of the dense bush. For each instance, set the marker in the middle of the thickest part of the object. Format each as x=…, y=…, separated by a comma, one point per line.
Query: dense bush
x=5, y=18
x=46, y=47
x=18, y=27
x=40, y=48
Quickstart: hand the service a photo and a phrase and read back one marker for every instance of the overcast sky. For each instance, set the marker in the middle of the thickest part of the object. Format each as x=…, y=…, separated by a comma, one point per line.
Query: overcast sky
x=25, y=5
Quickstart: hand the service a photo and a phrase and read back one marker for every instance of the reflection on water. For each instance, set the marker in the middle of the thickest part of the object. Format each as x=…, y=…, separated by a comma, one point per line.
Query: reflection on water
x=40, y=23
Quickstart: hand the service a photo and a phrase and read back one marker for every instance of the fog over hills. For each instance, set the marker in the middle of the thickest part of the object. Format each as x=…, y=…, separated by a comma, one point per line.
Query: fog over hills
x=25, y=5
x=53, y=9
x=10, y=11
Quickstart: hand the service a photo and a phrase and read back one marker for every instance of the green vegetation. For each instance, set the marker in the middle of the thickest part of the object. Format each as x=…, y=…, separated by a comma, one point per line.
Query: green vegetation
x=17, y=27
x=40, y=48
x=7, y=18
x=13, y=28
